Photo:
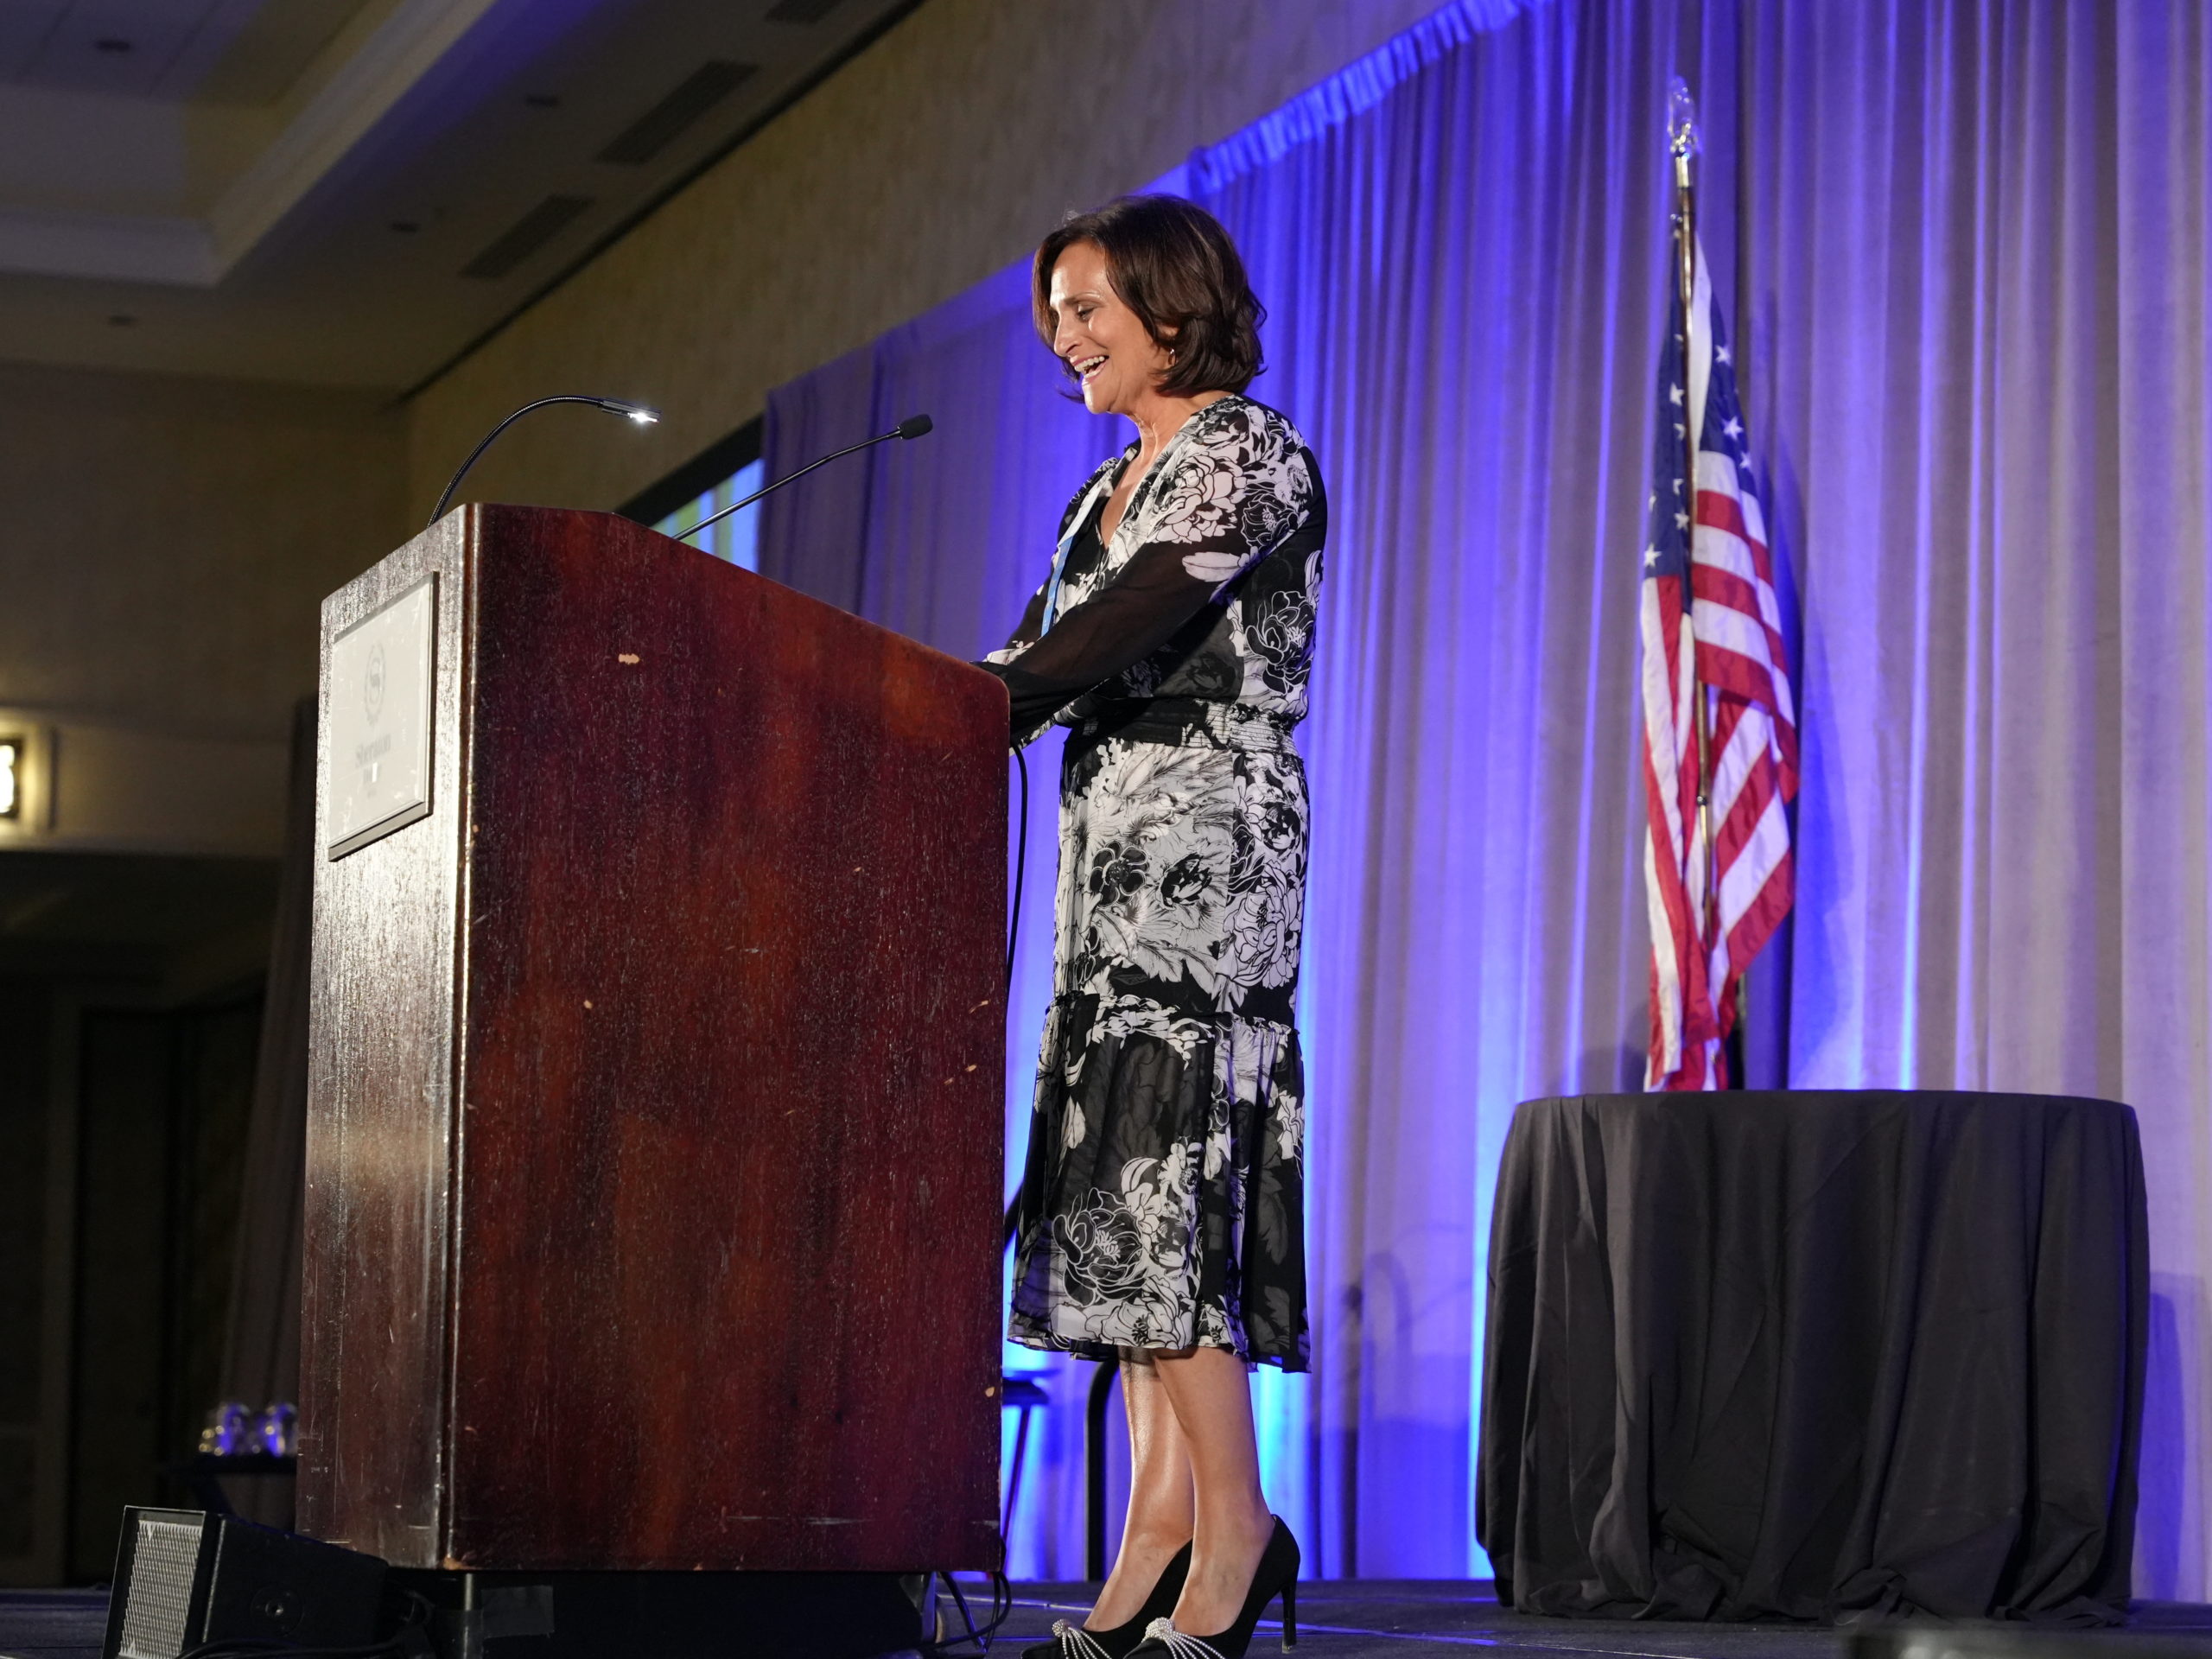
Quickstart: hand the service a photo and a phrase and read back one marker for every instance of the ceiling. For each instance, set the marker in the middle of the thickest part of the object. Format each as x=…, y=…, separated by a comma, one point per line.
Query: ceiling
x=196, y=50
x=351, y=192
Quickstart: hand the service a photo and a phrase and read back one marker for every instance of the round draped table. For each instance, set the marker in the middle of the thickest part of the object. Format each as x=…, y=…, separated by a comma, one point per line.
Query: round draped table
x=1814, y=1355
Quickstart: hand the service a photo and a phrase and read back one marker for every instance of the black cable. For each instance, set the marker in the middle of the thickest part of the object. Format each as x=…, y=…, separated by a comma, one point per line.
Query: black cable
x=1001, y=1596
x=1020, y=865
x=1001, y=1610
x=981, y=1635
x=239, y=1647
x=1013, y=934
x=251, y=1647
x=966, y=1617
x=1002, y=1587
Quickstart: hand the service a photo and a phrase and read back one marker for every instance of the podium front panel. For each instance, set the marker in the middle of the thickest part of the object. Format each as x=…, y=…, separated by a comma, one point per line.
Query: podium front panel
x=706, y=1267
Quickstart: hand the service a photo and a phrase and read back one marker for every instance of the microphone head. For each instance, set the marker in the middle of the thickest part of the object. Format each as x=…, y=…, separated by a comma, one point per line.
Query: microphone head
x=915, y=426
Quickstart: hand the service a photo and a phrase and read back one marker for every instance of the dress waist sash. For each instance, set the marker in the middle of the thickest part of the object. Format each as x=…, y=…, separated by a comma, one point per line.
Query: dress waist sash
x=1186, y=723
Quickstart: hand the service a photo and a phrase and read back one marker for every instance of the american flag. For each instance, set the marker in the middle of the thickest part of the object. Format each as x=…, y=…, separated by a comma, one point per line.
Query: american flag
x=1712, y=633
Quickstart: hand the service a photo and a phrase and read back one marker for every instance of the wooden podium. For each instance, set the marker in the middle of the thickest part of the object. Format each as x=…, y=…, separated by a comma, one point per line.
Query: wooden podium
x=654, y=1150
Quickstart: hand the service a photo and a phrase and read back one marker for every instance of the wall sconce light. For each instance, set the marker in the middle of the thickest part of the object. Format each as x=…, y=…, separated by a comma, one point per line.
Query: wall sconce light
x=27, y=754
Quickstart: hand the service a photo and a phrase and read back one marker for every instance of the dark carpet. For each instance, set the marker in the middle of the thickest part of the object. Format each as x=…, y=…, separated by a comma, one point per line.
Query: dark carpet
x=1384, y=1619
x=1370, y=1618
x=51, y=1624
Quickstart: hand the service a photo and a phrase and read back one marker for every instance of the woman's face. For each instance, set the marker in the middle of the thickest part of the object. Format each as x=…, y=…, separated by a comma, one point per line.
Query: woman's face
x=1098, y=335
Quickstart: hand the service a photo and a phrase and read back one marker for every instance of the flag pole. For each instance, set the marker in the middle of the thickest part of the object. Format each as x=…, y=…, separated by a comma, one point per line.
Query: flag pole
x=1682, y=145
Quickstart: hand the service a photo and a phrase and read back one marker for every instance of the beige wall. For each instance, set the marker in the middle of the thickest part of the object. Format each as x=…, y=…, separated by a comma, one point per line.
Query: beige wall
x=933, y=159
x=164, y=546
x=164, y=543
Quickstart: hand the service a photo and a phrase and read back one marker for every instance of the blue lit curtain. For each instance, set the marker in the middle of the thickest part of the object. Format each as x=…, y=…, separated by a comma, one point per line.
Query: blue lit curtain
x=1962, y=247
x=735, y=538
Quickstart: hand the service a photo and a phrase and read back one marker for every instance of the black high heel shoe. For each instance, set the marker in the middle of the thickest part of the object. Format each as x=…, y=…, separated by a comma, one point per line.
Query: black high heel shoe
x=1073, y=1641
x=1276, y=1575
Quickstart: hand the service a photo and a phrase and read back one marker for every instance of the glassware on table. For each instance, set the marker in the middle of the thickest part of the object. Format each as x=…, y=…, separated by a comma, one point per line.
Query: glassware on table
x=229, y=1430
x=277, y=1430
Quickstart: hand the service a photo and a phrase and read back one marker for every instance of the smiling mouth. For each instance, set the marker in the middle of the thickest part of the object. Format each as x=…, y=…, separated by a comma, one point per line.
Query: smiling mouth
x=1087, y=366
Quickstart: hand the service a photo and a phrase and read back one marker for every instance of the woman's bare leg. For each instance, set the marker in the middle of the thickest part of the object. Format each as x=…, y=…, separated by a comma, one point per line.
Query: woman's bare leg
x=1212, y=1402
x=1160, y=1516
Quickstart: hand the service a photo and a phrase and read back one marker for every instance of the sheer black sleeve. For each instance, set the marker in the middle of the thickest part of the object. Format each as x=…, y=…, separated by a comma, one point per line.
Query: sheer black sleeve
x=1117, y=628
x=1226, y=502
x=1026, y=632
x=1032, y=614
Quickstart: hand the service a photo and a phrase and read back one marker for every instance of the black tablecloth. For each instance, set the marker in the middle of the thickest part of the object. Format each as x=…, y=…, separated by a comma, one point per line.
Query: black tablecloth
x=1814, y=1355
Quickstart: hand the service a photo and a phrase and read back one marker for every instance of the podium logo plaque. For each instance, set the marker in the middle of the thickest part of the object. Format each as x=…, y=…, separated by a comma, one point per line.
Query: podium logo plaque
x=377, y=767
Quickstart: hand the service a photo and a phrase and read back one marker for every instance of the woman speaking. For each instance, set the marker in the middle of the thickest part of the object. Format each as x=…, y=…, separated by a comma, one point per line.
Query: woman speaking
x=1161, y=1220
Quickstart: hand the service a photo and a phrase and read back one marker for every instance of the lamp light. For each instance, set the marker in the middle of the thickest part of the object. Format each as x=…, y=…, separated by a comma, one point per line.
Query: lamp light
x=638, y=413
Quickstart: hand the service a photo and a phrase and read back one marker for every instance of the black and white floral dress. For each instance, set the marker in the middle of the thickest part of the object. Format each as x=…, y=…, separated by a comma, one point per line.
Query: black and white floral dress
x=1162, y=1204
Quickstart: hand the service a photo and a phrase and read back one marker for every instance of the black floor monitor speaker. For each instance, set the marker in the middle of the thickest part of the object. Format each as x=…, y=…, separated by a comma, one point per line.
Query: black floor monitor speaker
x=185, y=1577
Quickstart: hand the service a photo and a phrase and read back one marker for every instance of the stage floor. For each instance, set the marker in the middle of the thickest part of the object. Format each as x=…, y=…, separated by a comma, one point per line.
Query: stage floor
x=1371, y=1618
x=51, y=1624
x=1387, y=1618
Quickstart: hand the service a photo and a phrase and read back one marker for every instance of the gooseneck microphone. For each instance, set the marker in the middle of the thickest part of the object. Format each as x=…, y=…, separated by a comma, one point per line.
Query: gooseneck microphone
x=637, y=412
x=913, y=426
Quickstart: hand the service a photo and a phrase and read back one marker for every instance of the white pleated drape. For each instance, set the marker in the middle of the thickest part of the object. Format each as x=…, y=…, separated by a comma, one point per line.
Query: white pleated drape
x=1962, y=248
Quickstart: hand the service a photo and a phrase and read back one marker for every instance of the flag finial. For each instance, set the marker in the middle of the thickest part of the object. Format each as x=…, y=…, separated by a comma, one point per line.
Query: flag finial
x=1681, y=120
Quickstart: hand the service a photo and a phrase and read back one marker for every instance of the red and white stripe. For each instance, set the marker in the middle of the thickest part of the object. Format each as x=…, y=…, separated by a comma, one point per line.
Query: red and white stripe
x=1735, y=662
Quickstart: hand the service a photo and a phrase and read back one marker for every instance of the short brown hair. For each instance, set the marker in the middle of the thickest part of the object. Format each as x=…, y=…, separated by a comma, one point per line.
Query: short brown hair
x=1172, y=264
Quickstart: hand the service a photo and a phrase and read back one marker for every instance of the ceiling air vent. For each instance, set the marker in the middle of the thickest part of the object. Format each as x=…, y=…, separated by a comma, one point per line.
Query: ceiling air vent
x=526, y=236
x=659, y=127
x=801, y=11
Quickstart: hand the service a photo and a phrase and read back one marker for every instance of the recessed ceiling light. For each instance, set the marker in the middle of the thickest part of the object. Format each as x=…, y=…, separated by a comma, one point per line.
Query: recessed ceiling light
x=110, y=43
x=123, y=320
